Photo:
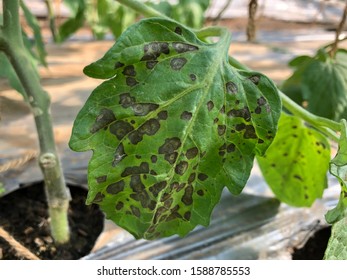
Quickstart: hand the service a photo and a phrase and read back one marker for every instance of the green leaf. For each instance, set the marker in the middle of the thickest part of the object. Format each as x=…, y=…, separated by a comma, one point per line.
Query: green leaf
x=172, y=126
x=296, y=164
x=292, y=86
x=74, y=23
x=7, y=71
x=34, y=25
x=337, y=245
x=326, y=81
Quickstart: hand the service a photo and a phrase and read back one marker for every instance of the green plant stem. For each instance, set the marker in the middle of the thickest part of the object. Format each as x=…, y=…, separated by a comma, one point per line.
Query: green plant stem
x=339, y=29
x=52, y=19
x=142, y=8
x=57, y=195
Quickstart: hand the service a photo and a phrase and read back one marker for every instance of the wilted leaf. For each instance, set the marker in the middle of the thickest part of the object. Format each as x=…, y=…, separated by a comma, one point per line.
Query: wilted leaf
x=296, y=164
x=172, y=126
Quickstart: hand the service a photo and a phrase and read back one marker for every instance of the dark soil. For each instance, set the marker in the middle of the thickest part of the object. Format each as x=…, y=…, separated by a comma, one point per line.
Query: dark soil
x=24, y=215
x=315, y=247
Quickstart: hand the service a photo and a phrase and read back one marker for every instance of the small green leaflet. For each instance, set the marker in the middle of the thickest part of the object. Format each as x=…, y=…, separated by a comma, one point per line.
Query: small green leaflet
x=296, y=164
x=337, y=245
x=170, y=128
x=320, y=78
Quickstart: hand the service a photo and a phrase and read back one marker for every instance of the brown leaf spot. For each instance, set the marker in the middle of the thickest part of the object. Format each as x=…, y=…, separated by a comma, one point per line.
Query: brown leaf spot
x=178, y=30
x=150, y=127
x=192, y=77
x=191, y=178
x=192, y=152
x=157, y=188
x=231, y=88
x=136, y=211
x=101, y=179
x=183, y=47
x=115, y=187
x=119, y=205
x=170, y=145
x=210, y=105
x=200, y=192
x=129, y=71
x=98, y=197
x=187, y=215
x=250, y=132
x=177, y=63
x=171, y=158
x=118, y=64
x=255, y=79
x=221, y=129
x=241, y=113
x=154, y=158
x=162, y=115
x=231, y=148
x=151, y=64
x=105, y=117
x=126, y=100
x=154, y=49
x=202, y=176
x=120, y=129
x=119, y=155
x=130, y=81
x=135, y=170
x=187, y=197
x=142, y=109
x=181, y=167
x=186, y=116
x=135, y=137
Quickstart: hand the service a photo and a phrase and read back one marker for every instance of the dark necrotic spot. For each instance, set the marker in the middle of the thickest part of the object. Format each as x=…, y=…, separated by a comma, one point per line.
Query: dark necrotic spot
x=210, y=105
x=153, y=50
x=168, y=202
x=138, y=156
x=115, y=187
x=241, y=113
x=187, y=215
x=119, y=205
x=183, y=47
x=257, y=110
x=126, y=100
x=131, y=81
x=152, y=172
x=142, y=109
x=240, y=126
x=120, y=129
x=170, y=145
x=202, y=176
x=221, y=129
x=231, y=148
x=181, y=167
x=231, y=88
x=135, y=211
x=119, y=155
x=187, y=197
x=250, y=132
x=192, y=152
x=140, y=193
x=157, y=188
x=129, y=71
x=98, y=197
x=154, y=158
x=135, y=137
x=192, y=77
x=158, y=213
x=178, y=30
x=200, y=192
x=177, y=63
x=105, y=117
x=150, y=127
x=186, y=116
x=260, y=141
x=191, y=178
x=298, y=177
x=162, y=115
x=101, y=179
x=261, y=101
x=135, y=170
x=171, y=158
x=118, y=64
x=151, y=64
x=215, y=120
x=254, y=79
x=222, y=110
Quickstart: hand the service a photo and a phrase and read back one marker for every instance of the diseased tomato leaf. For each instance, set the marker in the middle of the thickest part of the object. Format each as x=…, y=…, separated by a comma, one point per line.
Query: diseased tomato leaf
x=171, y=127
x=296, y=164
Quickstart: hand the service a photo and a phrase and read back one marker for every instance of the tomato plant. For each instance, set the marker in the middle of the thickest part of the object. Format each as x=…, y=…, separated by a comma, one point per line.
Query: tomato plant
x=176, y=120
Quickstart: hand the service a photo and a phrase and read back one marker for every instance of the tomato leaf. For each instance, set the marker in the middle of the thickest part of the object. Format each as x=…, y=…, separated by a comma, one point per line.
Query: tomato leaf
x=296, y=164
x=173, y=124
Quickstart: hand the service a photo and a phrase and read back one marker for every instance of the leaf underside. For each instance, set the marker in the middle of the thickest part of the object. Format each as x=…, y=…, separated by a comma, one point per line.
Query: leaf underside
x=173, y=124
x=296, y=164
